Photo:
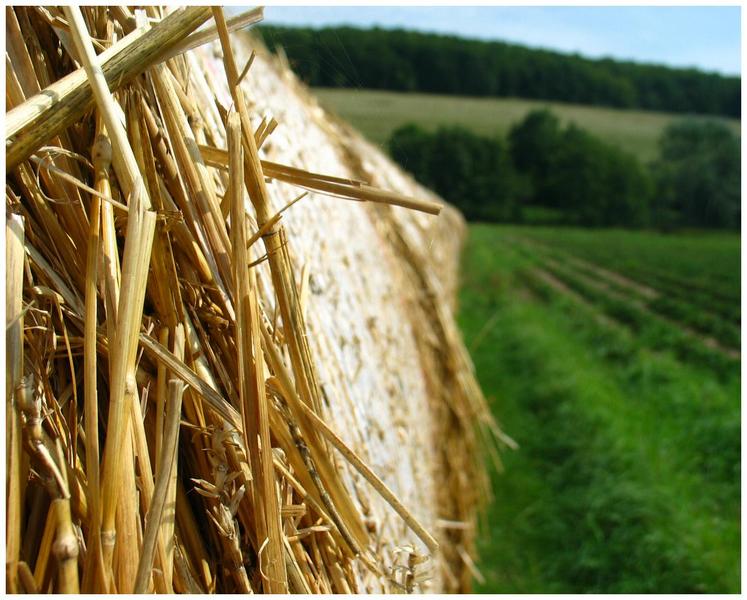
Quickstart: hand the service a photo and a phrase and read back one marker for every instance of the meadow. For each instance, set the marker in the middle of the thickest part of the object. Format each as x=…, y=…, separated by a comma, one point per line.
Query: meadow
x=612, y=358
x=378, y=113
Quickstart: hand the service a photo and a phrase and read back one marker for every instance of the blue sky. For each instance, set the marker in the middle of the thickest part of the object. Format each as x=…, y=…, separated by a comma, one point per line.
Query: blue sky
x=704, y=37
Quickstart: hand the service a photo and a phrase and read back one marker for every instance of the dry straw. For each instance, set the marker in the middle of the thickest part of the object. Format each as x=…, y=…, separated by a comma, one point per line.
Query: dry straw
x=165, y=426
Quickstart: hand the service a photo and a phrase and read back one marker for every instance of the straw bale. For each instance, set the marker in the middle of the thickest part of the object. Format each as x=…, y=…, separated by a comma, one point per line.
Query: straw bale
x=364, y=338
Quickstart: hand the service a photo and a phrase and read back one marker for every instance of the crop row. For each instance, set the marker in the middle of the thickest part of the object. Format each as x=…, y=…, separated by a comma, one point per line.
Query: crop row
x=650, y=330
x=653, y=331
x=678, y=309
x=709, y=300
x=725, y=332
x=700, y=264
x=688, y=313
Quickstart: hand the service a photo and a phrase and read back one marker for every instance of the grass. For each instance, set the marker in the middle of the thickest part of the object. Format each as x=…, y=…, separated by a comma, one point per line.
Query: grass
x=377, y=113
x=627, y=476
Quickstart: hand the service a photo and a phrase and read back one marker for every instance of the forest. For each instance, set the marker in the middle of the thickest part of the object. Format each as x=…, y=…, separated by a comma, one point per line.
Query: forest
x=576, y=178
x=403, y=60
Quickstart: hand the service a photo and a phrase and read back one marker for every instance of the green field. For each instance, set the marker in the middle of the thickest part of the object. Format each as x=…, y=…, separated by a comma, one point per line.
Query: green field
x=377, y=113
x=612, y=359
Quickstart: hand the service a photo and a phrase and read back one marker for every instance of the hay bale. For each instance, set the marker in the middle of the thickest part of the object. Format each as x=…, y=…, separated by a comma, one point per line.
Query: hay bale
x=195, y=406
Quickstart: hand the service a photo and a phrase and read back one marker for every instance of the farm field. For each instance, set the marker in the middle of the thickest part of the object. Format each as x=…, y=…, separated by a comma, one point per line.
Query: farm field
x=612, y=358
x=377, y=113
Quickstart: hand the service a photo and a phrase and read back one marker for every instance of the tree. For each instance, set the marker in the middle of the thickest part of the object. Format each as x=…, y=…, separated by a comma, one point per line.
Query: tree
x=473, y=172
x=596, y=184
x=698, y=182
x=410, y=146
x=534, y=144
x=534, y=140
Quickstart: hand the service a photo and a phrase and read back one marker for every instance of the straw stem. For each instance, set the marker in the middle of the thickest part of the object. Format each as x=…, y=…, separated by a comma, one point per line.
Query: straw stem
x=251, y=369
x=57, y=107
x=14, y=255
x=166, y=465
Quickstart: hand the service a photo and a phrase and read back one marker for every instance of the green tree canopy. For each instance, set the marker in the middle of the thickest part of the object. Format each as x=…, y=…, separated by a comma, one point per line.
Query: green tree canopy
x=698, y=181
x=591, y=182
x=473, y=172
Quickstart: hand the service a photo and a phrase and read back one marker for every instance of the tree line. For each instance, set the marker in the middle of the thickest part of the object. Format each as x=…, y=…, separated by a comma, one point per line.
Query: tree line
x=403, y=60
x=576, y=178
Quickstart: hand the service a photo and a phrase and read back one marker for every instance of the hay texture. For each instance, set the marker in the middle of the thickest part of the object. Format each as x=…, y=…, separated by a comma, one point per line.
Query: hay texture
x=232, y=363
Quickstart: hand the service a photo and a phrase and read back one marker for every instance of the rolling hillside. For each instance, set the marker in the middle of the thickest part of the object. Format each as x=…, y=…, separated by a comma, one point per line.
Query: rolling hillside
x=378, y=113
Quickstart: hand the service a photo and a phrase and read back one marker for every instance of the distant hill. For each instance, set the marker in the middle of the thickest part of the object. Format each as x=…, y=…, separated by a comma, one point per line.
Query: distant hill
x=377, y=113
x=401, y=60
